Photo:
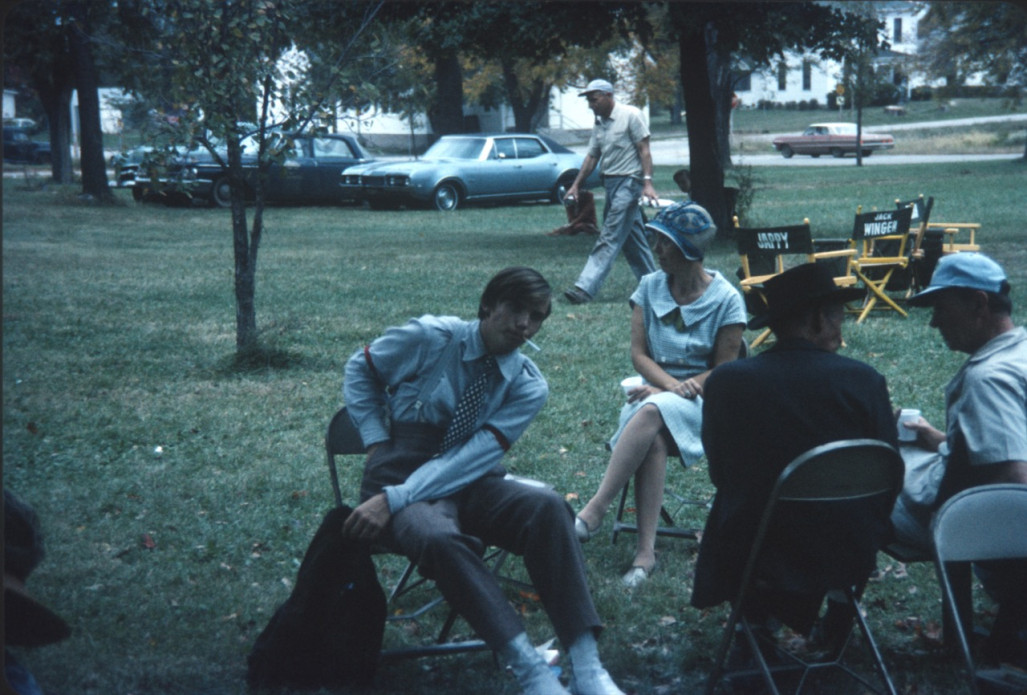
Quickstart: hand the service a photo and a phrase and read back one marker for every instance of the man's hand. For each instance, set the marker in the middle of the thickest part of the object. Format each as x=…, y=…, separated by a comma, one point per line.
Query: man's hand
x=367, y=521
x=926, y=436
x=649, y=193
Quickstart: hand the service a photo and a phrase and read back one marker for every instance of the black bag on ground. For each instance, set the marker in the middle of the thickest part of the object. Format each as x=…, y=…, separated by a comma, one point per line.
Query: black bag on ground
x=329, y=631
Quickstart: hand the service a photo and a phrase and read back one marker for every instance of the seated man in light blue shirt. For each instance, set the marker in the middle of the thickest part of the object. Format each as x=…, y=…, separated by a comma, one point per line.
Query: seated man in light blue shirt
x=434, y=488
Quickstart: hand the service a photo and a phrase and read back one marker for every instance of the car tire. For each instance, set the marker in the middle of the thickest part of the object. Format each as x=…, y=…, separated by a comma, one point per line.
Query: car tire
x=787, y=152
x=867, y=153
x=138, y=194
x=446, y=197
x=837, y=153
x=221, y=192
x=560, y=189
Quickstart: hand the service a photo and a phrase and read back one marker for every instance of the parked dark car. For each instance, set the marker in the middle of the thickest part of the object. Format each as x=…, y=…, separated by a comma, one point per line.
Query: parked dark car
x=307, y=172
x=460, y=169
x=21, y=148
x=835, y=139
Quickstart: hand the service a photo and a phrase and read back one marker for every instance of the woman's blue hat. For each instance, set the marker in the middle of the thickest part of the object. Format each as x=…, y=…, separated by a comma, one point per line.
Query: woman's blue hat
x=688, y=225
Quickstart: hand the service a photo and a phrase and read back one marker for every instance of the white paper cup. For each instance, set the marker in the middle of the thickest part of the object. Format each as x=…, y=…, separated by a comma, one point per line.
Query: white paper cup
x=907, y=415
x=630, y=384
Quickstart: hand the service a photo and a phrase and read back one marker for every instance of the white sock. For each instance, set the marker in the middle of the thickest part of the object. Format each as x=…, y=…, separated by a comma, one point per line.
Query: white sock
x=531, y=670
x=590, y=678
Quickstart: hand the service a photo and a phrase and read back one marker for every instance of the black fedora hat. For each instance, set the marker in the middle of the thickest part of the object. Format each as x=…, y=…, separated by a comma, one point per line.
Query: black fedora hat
x=800, y=287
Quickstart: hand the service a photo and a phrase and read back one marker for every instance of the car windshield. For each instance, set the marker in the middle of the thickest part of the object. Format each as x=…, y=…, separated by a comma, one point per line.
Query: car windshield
x=455, y=148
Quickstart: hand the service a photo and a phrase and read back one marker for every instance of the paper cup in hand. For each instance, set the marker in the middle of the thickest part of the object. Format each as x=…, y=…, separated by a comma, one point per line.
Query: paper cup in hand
x=630, y=384
x=907, y=415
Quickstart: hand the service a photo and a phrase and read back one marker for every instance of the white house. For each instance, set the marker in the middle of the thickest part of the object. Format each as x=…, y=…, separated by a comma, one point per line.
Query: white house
x=805, y=77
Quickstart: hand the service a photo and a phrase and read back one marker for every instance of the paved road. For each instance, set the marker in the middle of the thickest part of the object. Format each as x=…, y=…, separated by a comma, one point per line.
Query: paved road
x=674, y=152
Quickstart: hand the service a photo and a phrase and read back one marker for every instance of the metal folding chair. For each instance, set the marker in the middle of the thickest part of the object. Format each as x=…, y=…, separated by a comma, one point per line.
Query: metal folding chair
x=981, y=523
x=842, y=471
x=341, y=439
x=669, y=526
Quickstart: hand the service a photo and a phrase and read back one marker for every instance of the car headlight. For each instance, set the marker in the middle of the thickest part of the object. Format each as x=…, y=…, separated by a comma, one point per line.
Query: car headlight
x=397, y=180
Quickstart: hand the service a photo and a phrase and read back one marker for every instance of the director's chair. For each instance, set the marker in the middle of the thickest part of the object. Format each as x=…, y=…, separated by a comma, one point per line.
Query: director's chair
x=768, y=251
x=926, y=243
x=880, y=239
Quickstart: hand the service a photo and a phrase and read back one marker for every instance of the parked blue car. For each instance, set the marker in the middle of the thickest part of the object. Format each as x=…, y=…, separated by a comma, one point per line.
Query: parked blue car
x=460, y=169
x=20, y=147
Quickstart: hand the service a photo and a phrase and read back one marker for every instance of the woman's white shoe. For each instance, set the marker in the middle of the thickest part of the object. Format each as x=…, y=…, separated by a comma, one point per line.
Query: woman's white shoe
x=583, y=531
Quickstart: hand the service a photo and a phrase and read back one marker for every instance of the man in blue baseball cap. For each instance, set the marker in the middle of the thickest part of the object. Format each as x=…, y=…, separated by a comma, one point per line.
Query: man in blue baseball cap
x=620, y=138
x=985, y=437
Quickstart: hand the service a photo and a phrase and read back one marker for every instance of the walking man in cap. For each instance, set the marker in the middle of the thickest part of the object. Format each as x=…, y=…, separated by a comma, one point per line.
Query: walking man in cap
x=758, y=415
x=985, y=438
x=621, y=137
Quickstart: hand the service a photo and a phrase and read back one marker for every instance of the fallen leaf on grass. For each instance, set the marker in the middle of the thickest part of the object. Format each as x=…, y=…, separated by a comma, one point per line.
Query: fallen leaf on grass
x=571, y=496
x=32, y=428
x=148, y=542
x=667, y=620
x=299, y=494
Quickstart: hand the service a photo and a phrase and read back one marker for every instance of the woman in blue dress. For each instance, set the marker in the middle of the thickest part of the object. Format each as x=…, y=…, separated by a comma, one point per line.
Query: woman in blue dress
x=685, y=320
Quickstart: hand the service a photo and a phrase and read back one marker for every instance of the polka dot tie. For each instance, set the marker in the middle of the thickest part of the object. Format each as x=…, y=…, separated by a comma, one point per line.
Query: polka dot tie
x=469, y=406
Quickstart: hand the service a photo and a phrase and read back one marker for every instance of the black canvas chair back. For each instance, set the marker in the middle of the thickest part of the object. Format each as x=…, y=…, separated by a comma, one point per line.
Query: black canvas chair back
x=765, y=252
x=925, y=246
x=981, y=523
x=840, y=471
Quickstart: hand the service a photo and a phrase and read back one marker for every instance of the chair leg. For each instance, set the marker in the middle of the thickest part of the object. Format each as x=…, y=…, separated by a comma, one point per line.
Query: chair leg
x=875, y=653
x=876, y=293
x=760, y=339
x=725, y=645
x=618, y=524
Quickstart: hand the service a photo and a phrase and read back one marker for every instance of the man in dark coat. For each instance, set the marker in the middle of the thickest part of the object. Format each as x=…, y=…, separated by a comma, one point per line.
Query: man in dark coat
x=761, y=413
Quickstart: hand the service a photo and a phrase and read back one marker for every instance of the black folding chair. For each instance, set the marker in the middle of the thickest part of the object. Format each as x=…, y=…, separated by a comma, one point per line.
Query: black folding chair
x=842, y=471
x=342, y=439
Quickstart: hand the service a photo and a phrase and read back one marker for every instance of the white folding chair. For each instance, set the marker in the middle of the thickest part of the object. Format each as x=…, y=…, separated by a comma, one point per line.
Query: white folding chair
x=988, y=522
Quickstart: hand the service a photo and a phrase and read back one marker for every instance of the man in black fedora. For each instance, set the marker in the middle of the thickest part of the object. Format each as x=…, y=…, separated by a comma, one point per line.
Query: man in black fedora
x=761, y=413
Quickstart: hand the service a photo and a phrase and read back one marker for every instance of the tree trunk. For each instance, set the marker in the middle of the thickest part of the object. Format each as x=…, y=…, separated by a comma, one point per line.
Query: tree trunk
x=94, y=168
x=245, y=254
x=719, y=65
x=705, y=163
x=56, y=103
x=446, y=113
x=525, y=110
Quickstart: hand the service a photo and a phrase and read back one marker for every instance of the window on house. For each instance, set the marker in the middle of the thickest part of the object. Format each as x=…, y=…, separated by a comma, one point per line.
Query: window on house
x=782, y=76
x=807, y=75
x=897, y=30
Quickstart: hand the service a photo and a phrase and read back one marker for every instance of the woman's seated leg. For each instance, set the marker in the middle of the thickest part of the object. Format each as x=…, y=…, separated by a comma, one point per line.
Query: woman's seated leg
x=628, y=455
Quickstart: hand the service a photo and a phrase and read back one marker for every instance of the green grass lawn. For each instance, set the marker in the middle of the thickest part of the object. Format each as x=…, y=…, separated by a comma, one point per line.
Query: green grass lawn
x=127, y=424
